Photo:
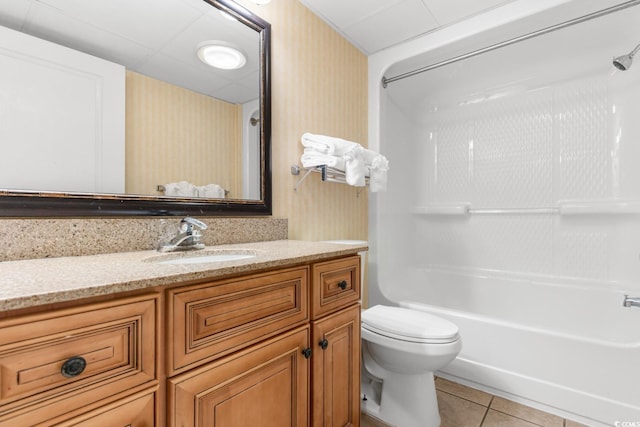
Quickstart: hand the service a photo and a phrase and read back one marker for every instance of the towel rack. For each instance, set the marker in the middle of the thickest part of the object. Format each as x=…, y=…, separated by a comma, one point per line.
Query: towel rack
x=328, y=174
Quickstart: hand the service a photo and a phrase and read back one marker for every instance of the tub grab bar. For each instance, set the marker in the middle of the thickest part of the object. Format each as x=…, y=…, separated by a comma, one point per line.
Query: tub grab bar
x=631, y=301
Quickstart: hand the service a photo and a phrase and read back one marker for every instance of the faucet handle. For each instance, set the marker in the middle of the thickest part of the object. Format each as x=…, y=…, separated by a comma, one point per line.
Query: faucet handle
x=188, y=223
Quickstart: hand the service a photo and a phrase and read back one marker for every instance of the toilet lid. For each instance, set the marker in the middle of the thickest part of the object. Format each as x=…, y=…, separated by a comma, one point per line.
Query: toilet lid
x=408, y=325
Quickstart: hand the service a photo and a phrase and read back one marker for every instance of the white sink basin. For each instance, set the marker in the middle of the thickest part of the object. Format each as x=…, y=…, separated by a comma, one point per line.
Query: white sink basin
x=202, y=257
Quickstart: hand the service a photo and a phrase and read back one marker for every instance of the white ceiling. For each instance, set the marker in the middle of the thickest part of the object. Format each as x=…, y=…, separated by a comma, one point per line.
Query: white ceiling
x=157, y=38
x=373, y=25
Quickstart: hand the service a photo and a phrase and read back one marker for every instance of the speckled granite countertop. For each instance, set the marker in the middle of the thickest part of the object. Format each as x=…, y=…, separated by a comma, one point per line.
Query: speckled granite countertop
x=29, y=283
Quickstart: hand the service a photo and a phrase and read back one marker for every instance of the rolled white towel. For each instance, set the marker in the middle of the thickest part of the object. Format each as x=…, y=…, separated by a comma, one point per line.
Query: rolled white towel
x=311, y=158
x=328, y=144
x=378, y=174
x=211, y=191
x=355, y=169
x=180, y=189
x=369, y=156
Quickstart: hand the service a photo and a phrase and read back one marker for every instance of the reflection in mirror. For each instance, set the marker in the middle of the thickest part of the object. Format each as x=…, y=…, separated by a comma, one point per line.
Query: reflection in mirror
x=113, y=107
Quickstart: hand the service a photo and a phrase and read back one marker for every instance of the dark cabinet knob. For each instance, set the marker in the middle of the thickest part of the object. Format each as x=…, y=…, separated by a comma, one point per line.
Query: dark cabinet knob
x=307, y=353
x=324, y=344
x=73, y=367
x=342, y=284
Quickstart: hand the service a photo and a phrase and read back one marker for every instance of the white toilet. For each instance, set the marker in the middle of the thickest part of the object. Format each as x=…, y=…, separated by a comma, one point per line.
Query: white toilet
x=401, y=348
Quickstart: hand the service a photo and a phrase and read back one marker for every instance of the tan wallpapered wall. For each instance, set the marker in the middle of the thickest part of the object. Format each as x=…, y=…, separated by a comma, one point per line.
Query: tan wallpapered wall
x=183, y=142
x=319, y=85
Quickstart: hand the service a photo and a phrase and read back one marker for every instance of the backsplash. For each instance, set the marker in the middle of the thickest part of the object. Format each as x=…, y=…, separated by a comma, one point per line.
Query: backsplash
x=48, y=238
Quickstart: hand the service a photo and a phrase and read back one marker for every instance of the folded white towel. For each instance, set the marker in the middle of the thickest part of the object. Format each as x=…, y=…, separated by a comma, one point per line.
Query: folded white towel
x=327, y=144
x=211, y=191
x=311, y=158
x=180, y=189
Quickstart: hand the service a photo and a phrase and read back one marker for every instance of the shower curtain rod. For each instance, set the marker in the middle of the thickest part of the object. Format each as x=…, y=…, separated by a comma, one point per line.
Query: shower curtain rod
x=386, y=81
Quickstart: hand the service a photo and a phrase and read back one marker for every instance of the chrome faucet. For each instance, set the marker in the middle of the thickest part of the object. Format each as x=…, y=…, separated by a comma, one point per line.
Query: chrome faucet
x=188, y=238
x=631, y=301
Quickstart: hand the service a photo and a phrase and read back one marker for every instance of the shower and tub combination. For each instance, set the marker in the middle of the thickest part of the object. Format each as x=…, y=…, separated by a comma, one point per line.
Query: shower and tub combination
x=513, y=202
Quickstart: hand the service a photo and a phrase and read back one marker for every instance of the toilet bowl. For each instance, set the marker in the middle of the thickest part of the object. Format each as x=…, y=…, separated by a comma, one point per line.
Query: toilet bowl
x=401, y=349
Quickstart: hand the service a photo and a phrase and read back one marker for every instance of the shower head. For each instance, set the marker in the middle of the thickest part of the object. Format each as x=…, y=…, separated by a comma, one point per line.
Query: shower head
x=624, y=62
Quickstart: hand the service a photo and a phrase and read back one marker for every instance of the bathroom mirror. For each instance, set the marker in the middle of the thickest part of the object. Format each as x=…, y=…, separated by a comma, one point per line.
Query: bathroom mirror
x=156, y=44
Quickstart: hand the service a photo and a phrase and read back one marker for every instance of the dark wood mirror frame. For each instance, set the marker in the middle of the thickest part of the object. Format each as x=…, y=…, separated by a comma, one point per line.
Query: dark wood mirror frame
x=46, y=204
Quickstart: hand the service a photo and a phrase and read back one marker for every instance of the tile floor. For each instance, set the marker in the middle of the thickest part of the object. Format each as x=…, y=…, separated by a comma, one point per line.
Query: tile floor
x=461, y=406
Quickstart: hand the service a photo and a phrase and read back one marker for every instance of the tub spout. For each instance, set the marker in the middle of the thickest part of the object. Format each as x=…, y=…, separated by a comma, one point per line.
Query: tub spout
x=631, y=301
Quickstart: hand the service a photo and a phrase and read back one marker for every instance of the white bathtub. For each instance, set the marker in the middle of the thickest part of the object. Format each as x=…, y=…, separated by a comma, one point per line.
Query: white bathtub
x=554, y=346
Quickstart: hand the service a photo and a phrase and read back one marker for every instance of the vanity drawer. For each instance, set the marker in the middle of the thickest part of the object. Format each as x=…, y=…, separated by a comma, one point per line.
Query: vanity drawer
x=42, y=357
x=213, y=319
x=336, y=284
x=135, y=411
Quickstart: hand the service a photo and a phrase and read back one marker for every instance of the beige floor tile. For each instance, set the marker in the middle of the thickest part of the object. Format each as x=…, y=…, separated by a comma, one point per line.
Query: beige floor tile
x=464, y=392
x=526, y=413
x=499, y=419
x=367, y=421
x=458, y=412
x=569, y=423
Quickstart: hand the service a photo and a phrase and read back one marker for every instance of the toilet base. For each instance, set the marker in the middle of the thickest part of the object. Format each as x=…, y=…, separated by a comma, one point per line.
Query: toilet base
x=406, y=400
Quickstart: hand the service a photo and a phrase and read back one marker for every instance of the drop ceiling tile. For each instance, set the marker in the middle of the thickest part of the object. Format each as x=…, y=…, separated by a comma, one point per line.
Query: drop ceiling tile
x=401, y=22
x=47, y=23
x=201, y=6
x=235, y=94
x=250, y=81
x=202, y=80
x=14, y=13
x=344, y=13
x=449, y=11
x=183, y=48
x=146, y=22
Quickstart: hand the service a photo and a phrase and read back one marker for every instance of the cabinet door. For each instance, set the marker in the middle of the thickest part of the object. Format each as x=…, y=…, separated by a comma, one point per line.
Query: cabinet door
x=264, y=385
x=336, y=369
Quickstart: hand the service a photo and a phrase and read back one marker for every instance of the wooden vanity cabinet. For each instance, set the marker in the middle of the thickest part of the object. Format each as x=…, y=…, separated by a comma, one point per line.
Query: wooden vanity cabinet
x=273, y=348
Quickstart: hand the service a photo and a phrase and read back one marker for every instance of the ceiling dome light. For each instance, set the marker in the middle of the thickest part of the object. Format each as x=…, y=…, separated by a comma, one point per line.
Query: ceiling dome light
x=221, y=55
